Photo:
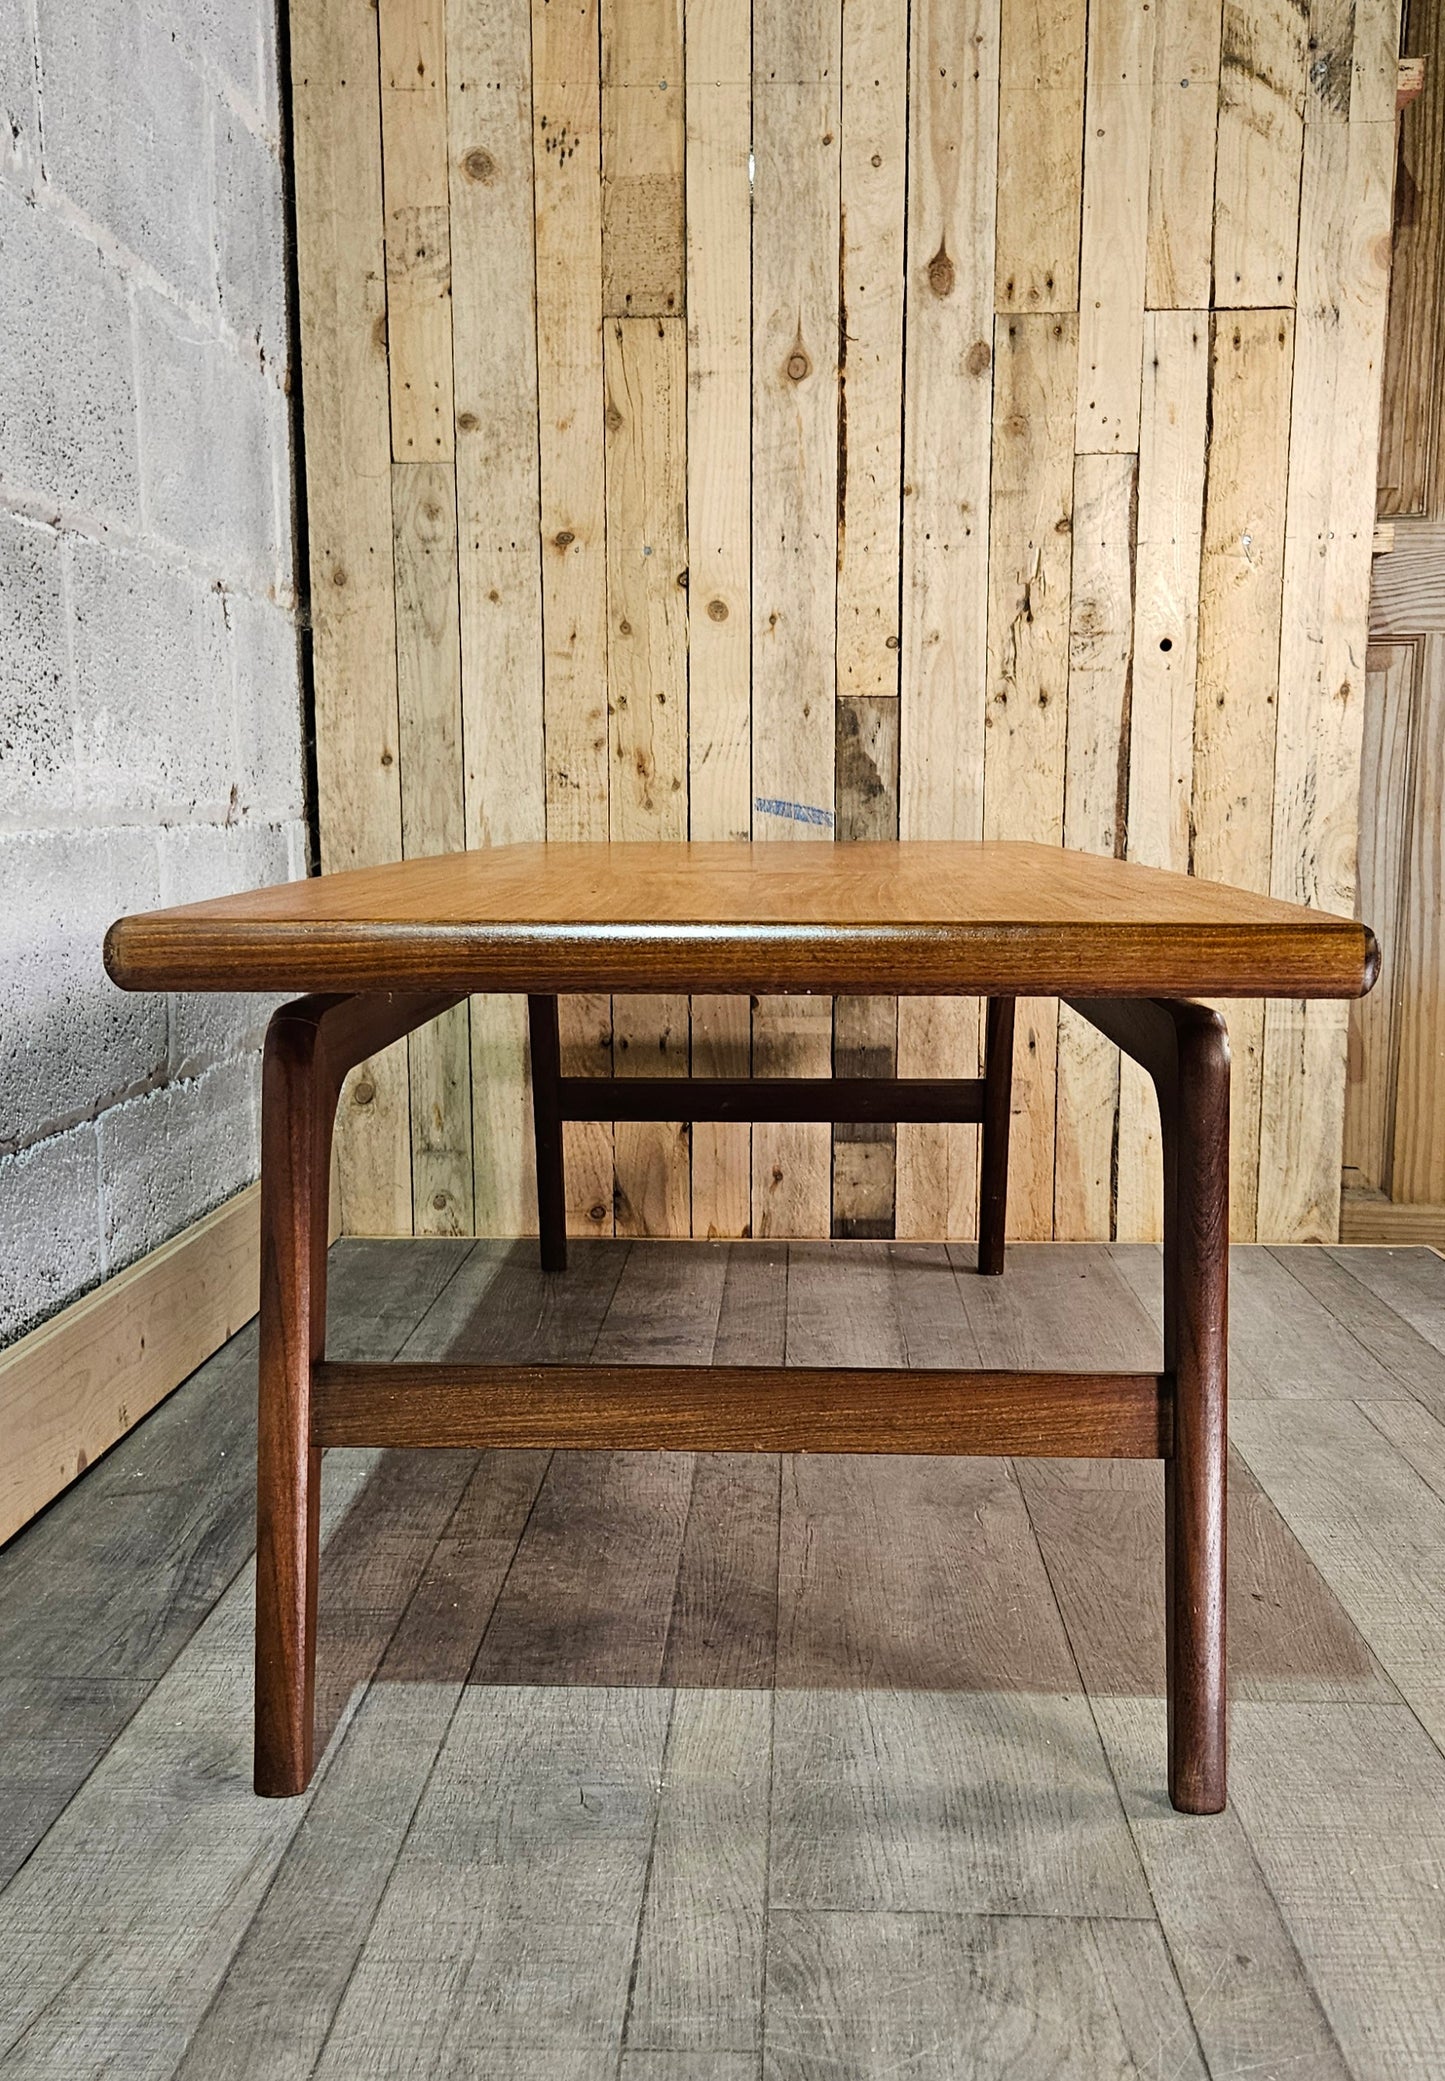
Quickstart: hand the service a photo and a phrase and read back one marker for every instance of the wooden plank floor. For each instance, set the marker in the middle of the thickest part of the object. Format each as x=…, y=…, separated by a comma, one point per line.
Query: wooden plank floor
x=675, y=1769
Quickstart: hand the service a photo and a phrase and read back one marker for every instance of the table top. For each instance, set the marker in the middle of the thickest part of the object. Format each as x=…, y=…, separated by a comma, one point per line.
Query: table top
x=919, y=917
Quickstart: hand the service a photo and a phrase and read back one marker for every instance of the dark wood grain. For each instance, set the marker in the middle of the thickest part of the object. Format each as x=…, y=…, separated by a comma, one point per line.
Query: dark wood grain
x=922, y=918
x=661, y=1408
x=680, y=1404
x=298, y=1104
x=993, y=1149
x=546, y=1039
x=1185, y=1050
x=958, y=1099
x=667, y=1407
x=310, y=1046
x=377, y=1298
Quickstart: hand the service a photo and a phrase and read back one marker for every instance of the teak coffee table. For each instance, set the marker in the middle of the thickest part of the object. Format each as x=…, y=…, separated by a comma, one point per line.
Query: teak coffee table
x=389, y=948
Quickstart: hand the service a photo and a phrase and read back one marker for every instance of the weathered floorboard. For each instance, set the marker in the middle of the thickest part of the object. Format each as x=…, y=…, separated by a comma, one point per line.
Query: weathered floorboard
x=943, y=1837
x=936, y=1995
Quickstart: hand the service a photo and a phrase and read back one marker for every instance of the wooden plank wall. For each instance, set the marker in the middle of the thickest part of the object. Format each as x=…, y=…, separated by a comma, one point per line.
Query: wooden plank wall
x=840, y=419
x=1394, y=1148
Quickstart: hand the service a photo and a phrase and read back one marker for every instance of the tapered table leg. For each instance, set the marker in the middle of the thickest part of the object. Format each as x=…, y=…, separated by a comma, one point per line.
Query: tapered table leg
x=298, y=1107
x=998, y=1070
x=1196, y=1347
x=547, y=1130
x=310, y=1046
x=1185, y=1049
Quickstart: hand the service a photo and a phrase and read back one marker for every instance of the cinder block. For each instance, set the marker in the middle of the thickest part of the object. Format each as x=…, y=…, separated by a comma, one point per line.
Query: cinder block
x=227, y=35
x=51, y=1246
x=18, y=134
x=152, y=686
x=270, y=771
x=270, y=104
x=67, y=407
x=249, y=237
x=282, y=583
x=125, y=114
x=136, y=696
x=199, y=861
x=171, y=1156
x=37, y=718
x=207, y=448
x=69, y=1040
x=298, y=838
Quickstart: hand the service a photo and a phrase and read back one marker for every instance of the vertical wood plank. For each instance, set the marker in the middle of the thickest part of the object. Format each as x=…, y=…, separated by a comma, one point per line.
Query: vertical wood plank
x=796, y=115
x=952, y=196
x=643, y=269
x=870, y=376
x=1101, y=617
x=481, y=185
x=722, y=1181
x=433, y=820
x=698, y=1974
x=1418, y=1159
x=1257, y=165
x=865, y=1029
x=1386, y=788
x=642, y=158
x=585, y=1031
x=1412, y=454
x=1344, y=240
x=1113, y=248
x=1101, y=614
x=1239, y=625
x=870, y=431
x=1181, y=154
x=646, y=376
x=1169, y=529
x=341, y=268
x=1040, y=151
x=418, y=228
x=494, y=339
x=419, y=359
x=1028, y=661
x=719, y=480
x=566, y=172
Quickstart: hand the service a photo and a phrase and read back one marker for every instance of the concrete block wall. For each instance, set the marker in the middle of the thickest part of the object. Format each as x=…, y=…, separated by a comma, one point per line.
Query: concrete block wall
x=151, y=746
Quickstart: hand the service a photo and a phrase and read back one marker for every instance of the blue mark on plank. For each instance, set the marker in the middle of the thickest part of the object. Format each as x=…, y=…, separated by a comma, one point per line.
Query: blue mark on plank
x=796, y=812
